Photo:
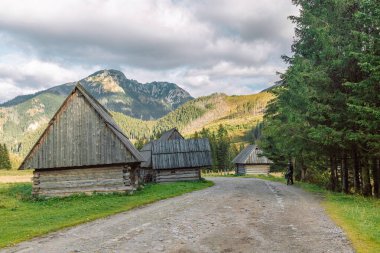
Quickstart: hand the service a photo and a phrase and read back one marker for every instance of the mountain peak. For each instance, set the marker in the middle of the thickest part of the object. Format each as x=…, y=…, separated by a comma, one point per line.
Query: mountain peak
x=107, y=80
x=109, y=72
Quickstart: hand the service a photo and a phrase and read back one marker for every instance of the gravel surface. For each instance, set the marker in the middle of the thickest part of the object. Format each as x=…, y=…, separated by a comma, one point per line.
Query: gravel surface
x=236, y=215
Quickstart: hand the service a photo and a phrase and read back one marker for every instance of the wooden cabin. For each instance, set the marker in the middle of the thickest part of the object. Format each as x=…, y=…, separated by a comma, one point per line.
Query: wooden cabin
x=250, y=162
x=82, y=150
x=175, y=159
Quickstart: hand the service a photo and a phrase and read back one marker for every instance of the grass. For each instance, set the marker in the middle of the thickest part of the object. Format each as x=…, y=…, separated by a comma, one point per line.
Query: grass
x=358, y=216
x=23, y=217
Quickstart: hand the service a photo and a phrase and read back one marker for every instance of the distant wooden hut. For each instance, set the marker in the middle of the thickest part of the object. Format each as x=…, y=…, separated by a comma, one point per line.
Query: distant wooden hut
x=174, y=159
x=82, y=150
x=250, y=161
x=172, y=134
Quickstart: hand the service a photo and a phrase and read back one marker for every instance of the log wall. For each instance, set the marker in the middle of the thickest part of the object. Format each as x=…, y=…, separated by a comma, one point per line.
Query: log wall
x=146, y=175
x=85, y=180
x=173, y=175
x=250, y=169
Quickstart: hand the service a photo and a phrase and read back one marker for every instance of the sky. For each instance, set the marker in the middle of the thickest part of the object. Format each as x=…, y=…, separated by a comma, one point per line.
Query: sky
x=204, y=46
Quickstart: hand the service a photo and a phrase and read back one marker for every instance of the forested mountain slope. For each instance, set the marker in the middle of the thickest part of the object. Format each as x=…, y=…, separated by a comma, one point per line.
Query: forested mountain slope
x=238, y=114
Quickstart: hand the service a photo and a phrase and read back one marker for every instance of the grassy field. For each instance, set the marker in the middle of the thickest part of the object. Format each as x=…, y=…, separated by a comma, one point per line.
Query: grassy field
x=23, y=217
x=358, y=216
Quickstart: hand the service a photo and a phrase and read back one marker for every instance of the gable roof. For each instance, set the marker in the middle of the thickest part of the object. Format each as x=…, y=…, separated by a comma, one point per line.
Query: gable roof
x=146, y=150
x=171, y=134
x=107, y=117
x=251, y=155
x=103, y=114
x=180, y=153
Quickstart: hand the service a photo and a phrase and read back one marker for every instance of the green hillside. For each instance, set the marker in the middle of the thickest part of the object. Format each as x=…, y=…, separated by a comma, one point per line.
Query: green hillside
x=20, y=124
x=238, y=114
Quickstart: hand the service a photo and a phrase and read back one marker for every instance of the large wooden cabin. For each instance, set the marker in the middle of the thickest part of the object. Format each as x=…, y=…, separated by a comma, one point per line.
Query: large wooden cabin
x=250, y=161
x=173, y=158
x=82, y=150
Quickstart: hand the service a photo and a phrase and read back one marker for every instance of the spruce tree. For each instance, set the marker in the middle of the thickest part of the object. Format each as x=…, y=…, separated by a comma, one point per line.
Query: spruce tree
x=2, y=157
x=6, y=160
x=327, y=109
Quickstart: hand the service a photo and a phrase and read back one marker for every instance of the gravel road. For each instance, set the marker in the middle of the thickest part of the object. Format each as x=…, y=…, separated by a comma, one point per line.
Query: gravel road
x=236, y=215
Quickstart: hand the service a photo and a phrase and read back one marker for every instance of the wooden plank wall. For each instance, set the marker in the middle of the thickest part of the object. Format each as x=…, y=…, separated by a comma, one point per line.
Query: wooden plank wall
x=78, y=137
x=253, y=169
x=87, y=180
x=177, y=175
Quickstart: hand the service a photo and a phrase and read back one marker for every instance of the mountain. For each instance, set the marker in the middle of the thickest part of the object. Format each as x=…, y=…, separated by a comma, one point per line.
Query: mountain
x=24, y=117
x=117, y=93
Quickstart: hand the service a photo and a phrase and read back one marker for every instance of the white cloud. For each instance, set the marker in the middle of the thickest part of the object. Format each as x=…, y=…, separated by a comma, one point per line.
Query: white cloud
x=20, y=75
x=219, y=45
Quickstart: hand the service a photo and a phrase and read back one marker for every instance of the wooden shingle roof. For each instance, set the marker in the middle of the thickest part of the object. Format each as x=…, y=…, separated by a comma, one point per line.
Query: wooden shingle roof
x=103, y=112
x=146, y=150
x=171, y=135
x=81, y=133
x=180, y=153
x=251, y=155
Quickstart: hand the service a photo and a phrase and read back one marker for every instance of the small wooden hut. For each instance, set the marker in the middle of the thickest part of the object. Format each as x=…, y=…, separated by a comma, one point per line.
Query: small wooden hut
x=172, y=158
x=82, y=151
x=250, y=162
x=146, y=172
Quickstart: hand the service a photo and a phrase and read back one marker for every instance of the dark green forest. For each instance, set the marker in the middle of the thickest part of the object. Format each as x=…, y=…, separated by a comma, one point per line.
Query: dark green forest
x=326, y=114
x=148, y=130
x=223, y=151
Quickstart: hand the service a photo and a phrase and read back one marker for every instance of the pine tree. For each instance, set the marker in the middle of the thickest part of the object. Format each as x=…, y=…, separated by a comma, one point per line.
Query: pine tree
x=2, y=157
x=6, y=160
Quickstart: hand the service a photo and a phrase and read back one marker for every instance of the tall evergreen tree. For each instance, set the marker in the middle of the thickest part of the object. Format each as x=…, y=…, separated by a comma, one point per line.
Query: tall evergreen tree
x=326, y=113
x=2, y=156
x=6, y=160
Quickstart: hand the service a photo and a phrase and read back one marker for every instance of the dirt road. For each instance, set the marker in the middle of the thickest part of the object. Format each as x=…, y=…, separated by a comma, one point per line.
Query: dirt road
x=236, y=215
x=15, y=179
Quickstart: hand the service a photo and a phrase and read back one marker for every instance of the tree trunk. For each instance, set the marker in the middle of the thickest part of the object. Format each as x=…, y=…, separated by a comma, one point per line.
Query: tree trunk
x=345, y=185
x=296, y=169
x=366, y=183
x=303, y=170
x=376, y=177
x=356, y=172
x=333, y=178
x=303, y=173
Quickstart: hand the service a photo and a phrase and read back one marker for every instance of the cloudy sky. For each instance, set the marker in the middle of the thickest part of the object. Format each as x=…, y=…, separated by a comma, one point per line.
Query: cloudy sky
x=205, y=46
